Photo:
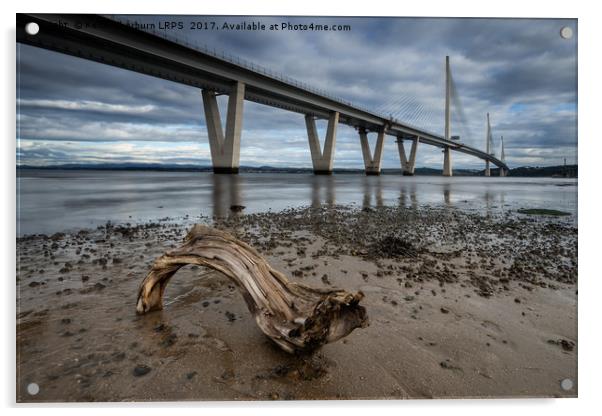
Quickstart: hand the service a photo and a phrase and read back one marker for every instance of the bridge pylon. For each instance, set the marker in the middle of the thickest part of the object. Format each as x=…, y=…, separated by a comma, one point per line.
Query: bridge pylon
x=225, y=149
x=447, y=166
x=503, y=158
x=488, y=146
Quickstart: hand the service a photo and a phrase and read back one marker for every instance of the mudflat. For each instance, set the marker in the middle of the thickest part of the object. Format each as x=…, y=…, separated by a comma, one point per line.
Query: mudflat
x=460, y=305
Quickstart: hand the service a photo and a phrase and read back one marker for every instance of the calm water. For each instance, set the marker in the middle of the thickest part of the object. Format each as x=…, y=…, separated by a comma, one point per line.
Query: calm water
x=51, y=201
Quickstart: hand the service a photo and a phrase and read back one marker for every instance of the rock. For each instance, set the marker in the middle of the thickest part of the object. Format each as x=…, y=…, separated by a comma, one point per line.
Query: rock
x=141, y=370
x=567, y=345
x=444, y=310
x=448, y=365
x=231, y=317
x=564, y=343
x=57, y=236
x=170, y=340
x=391, y=246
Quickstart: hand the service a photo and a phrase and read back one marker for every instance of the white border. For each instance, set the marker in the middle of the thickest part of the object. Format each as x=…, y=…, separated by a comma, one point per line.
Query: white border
x=589, y=32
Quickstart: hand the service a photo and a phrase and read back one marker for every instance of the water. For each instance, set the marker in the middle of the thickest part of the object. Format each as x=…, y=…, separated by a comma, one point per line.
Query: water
x=53, y=201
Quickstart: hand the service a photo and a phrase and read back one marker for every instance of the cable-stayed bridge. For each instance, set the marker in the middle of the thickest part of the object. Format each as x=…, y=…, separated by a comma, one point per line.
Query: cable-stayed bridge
x=111, y=41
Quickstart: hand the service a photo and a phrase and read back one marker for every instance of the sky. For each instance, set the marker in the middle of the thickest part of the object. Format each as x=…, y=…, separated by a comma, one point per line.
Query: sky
x=521, y=71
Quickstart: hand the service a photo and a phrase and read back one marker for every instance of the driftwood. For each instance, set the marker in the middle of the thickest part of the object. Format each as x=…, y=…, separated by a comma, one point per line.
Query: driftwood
x=296, y=317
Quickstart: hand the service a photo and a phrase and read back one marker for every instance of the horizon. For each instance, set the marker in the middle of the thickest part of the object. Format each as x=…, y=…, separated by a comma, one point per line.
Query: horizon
x=188, y=166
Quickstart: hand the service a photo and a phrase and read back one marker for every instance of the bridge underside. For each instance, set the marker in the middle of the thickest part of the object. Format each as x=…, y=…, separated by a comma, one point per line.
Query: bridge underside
x=109, y=42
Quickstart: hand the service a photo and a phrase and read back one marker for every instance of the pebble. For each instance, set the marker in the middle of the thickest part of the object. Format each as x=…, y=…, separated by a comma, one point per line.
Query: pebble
x=141, y=370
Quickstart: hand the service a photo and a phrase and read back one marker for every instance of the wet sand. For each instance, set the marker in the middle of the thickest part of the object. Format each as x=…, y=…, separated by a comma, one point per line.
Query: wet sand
x=460, y=305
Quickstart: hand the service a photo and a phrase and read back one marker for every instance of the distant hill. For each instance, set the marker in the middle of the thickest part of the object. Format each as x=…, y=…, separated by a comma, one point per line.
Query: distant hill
x=569, y=171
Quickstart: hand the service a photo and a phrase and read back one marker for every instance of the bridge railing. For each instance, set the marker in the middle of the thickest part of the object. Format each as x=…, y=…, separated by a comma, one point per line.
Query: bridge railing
x=236, y=60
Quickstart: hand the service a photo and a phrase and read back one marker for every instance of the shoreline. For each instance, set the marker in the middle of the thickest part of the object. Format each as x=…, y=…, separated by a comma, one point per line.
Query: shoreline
x=460, y=305
x=555, y=171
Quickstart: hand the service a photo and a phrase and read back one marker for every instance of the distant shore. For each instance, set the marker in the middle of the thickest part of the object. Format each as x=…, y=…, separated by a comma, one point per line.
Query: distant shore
x=568, y=171
x=460, y=305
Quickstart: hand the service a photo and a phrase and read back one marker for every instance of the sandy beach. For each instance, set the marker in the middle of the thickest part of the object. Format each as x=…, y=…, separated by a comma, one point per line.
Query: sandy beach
x=460, y=305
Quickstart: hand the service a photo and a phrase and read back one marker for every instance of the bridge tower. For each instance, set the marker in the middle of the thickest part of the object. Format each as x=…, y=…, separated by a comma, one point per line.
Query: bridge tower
x=447, y=165
x=488, y=146
x=502, y=158
x=225, y=149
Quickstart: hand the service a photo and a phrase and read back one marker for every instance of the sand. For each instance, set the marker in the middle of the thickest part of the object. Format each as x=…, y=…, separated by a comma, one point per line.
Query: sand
x=460, y=305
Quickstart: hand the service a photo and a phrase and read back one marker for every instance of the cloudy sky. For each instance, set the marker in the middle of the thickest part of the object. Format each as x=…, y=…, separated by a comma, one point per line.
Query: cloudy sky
x=521, y=71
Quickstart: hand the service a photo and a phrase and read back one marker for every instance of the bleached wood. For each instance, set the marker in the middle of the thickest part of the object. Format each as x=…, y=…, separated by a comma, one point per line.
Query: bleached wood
x=296, y=317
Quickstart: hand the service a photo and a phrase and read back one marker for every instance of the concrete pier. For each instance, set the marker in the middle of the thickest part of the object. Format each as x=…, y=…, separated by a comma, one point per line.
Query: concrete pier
x=447, y=164
x=372, y=161
x=487, y=169
x=322, y=160
x=407, y=166
x=225, y=149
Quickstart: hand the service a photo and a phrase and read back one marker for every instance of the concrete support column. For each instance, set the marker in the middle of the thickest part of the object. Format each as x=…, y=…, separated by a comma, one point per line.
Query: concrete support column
x=372, y=162
x=225, y=150
x=487, y=169
x=407, y=166
x=322, y=160
x=447, y=164
x=502, y=172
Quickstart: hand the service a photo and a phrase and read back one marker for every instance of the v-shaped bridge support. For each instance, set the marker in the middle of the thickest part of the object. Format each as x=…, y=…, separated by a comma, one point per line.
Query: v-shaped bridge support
x=322, y=160
x=407, y=166
x=372, y=161
x=225, y=149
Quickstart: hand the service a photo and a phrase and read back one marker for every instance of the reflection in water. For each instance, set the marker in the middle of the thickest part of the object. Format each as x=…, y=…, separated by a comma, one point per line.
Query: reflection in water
x=446, y=194
x=319, y=183
x=60, y=201
x=226, y=195
x=488, y=199
x=403, y=195
x=372, y=186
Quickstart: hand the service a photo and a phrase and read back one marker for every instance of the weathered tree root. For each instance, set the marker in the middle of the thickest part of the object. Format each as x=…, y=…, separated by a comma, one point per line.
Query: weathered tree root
x=296, y=317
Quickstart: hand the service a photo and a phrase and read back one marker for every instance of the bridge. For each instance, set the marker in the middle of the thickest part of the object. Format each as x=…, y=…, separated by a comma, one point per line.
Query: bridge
x=107, y=40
